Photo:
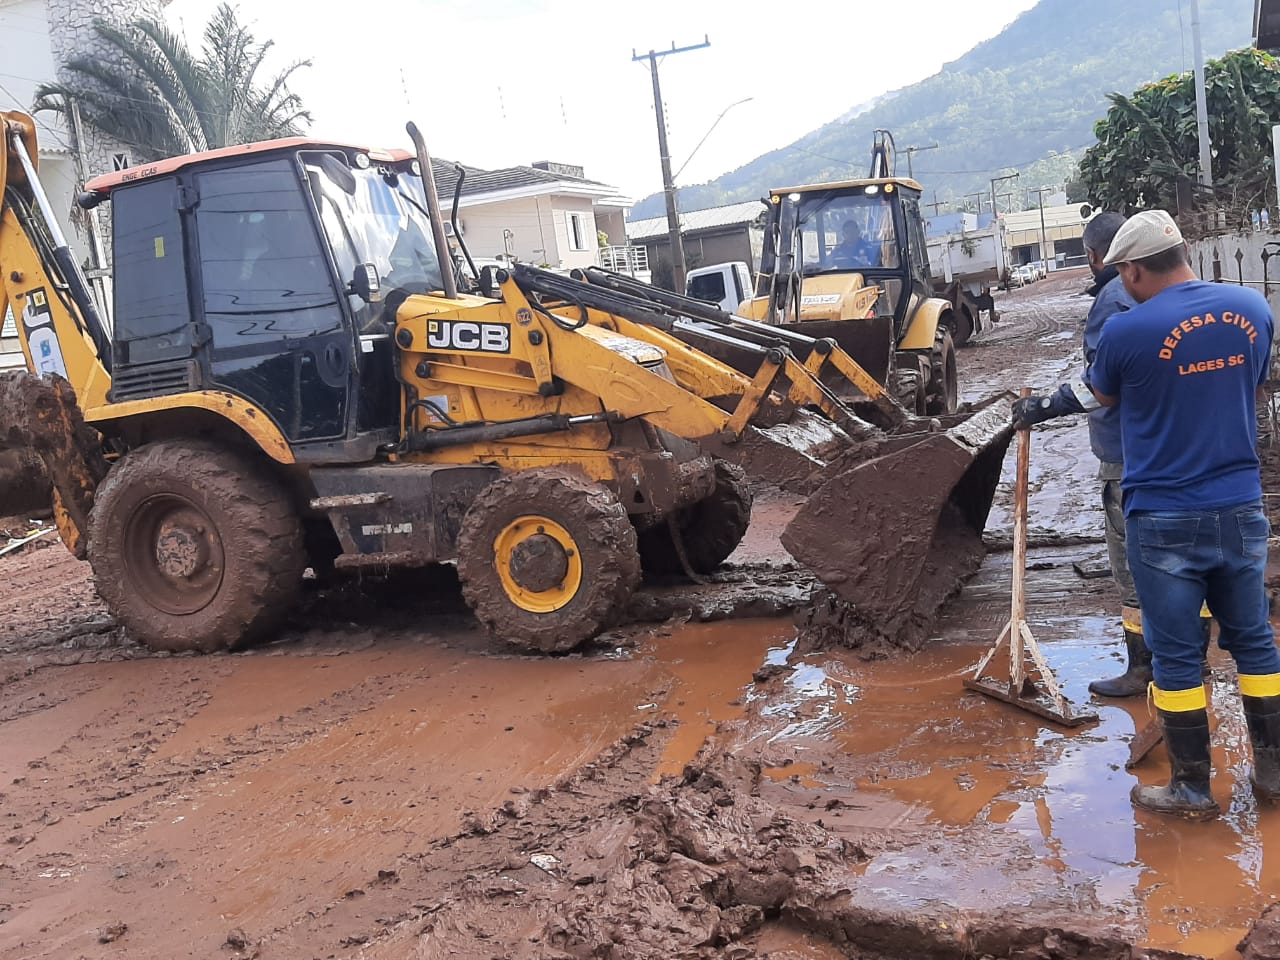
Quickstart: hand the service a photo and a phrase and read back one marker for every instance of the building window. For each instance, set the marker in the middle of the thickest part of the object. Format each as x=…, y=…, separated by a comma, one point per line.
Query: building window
x=577, y=231
x=120, y=161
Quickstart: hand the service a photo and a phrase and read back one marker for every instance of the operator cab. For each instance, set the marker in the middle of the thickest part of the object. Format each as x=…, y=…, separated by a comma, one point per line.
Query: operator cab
x=868, y=227
x=273, y=272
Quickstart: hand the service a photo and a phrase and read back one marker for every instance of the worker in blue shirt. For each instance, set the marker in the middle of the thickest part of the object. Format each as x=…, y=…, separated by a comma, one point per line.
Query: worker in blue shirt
x=1110, y=300
x=1196, y=530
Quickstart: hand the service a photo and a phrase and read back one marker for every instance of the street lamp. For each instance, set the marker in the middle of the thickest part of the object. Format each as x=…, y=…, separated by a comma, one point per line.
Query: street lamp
x=708, y=133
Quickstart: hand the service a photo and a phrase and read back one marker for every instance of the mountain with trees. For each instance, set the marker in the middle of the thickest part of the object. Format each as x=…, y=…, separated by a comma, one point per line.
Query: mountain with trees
x=163, y=99
x=1025, y=101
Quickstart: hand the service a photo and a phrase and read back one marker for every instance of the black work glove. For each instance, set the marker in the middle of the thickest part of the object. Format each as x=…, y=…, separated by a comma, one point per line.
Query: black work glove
x=1028, y=411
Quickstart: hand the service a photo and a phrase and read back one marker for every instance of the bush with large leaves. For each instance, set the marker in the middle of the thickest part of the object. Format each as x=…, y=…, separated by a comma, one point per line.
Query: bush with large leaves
x=1149, y=139
x=163, y=99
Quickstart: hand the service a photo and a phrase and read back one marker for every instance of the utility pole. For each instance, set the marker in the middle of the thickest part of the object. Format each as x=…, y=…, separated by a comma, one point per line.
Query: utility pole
x=994, y=180
x=910, y=152
x=977, y=198
x=1044, y=237
x=678, y=268
x=1202, y=100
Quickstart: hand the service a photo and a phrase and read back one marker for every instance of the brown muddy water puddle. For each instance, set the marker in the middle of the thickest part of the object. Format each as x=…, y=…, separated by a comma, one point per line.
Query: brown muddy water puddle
x=989, y=806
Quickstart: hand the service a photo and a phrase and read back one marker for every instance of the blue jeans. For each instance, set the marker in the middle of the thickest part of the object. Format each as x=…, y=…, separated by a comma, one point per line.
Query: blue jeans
x=1180, y=559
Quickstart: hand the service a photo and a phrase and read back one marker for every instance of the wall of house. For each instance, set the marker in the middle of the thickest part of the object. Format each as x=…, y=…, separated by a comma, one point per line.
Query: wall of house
x=539, y=228
x=533, y=236
x=570, y=257
x=29, y=61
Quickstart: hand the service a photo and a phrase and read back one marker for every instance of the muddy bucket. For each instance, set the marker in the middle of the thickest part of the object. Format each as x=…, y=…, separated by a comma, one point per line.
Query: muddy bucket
x=896, y=534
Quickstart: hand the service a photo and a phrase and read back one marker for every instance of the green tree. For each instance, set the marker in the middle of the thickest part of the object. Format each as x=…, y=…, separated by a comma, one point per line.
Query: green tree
x=1148, y=140
x=158, y=96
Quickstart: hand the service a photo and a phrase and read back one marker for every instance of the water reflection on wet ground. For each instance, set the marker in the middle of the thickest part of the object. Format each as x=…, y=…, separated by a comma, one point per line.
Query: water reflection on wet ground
x=989, y=806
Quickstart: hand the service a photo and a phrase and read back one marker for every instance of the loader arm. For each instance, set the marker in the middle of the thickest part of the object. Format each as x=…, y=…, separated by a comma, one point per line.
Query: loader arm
x=64, y=341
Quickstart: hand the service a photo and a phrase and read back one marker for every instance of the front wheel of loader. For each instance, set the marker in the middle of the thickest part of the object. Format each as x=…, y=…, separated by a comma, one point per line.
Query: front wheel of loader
x=943, y=389
x=194, y=547
x=710, y=529
x=547, y=559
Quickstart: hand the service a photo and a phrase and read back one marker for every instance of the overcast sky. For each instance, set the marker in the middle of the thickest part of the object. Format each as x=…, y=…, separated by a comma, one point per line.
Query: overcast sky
x=496, y=83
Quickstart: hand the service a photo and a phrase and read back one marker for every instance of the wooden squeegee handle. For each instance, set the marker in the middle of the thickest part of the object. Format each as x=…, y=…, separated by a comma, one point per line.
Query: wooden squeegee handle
x=1019, y=611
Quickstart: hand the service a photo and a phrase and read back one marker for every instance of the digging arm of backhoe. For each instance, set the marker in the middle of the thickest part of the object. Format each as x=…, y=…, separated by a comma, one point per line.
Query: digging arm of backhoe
x=63, y=340
x=817, y=355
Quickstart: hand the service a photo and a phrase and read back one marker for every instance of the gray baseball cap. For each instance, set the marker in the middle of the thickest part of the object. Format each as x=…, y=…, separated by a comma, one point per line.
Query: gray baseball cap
x=1144, y=235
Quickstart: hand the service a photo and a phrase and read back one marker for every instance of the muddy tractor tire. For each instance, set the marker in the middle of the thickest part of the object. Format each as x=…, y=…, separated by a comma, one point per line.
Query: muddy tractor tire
x=908, y=388
x=942, y=392
x=194, y=547
x=547, y=559
x=710, y=529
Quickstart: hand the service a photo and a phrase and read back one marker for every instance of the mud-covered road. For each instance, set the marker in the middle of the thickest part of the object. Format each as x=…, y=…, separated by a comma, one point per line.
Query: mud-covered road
x=382, y=781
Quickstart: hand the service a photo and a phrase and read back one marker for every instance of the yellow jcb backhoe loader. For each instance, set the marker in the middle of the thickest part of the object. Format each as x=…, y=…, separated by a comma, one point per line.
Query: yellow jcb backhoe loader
x=293, y=379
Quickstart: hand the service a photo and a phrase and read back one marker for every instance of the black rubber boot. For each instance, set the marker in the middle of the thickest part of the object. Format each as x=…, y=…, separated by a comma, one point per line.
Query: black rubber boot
x=1186, y=736
x=1137, y=675
x=1263, y=716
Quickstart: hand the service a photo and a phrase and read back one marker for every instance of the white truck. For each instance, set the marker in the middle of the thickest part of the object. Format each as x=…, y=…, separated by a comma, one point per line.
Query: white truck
x=965, y=267
x=724, y=284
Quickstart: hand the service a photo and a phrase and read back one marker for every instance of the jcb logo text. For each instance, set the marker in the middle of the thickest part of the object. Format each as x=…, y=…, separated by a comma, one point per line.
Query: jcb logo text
x=463, y=335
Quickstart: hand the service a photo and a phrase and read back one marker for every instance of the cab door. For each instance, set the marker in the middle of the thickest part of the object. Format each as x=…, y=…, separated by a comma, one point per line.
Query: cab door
x=279, y=334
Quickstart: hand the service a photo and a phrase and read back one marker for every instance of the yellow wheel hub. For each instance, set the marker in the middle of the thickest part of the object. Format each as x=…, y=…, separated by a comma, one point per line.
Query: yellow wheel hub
x=539, y=564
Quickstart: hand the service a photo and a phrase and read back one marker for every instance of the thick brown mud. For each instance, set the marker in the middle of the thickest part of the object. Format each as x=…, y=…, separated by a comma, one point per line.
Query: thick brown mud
x=41, y=419
x=24, y=485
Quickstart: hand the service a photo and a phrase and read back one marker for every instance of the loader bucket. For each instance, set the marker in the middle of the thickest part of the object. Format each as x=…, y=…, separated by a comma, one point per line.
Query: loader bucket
x=40, y=416
x=896, y=534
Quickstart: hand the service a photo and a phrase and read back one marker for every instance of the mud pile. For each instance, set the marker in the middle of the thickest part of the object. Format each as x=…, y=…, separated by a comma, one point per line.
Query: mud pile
x=1263, y=939
x=955, y=555
x=698, y=867
x=24, y=485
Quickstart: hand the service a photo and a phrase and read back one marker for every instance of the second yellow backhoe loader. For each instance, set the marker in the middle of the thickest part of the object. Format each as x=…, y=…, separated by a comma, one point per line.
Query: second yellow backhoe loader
x=849, y=261
x=292, y=378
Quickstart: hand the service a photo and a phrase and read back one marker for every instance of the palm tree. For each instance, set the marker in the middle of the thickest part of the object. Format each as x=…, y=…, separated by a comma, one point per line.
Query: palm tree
x=159, y=97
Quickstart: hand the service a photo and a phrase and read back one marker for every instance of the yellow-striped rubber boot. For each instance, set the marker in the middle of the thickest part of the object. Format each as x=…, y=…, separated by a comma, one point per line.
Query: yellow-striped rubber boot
x=1261, y=696
x=1137, y=674
x=1184, y=716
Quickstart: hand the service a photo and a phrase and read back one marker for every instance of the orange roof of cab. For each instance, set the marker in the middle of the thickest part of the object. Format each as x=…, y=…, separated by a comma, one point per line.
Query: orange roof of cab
x=109, y=181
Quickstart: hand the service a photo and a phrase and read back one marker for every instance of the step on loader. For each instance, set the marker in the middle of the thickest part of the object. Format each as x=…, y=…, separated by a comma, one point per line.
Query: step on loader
x=290, y=377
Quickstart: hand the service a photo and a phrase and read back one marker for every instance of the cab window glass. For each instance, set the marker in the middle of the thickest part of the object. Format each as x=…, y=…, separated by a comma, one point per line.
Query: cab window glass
x=150, y=276
x=263, y=271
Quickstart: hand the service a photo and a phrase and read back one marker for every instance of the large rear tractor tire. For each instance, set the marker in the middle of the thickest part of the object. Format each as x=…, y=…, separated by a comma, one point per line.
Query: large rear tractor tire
x=710, y=529
x=547, y=559
x=194, y=547
x=942, y=392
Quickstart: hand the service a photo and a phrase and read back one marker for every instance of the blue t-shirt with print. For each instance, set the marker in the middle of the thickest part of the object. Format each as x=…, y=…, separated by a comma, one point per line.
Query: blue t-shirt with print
x=1185, y=366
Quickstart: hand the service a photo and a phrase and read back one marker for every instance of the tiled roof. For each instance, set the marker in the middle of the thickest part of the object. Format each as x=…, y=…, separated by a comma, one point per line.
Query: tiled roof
x=730, y=215
x=508, y=178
